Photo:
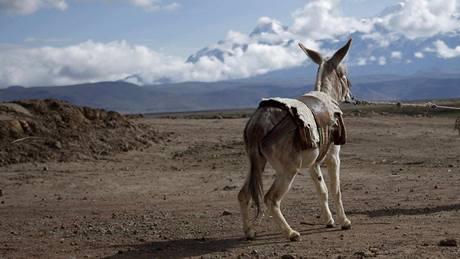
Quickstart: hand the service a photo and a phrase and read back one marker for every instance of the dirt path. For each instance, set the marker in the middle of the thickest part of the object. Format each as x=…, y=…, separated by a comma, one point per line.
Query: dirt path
x=400, y=182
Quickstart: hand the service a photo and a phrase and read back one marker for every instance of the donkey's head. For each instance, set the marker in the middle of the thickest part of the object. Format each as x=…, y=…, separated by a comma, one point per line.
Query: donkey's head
x=332, y=76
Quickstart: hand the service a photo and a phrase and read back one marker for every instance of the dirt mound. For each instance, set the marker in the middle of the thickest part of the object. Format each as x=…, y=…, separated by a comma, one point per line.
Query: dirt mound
x=44, y=130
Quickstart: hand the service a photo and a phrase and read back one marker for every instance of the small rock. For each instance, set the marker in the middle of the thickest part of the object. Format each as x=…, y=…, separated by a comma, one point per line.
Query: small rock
x=373, y=249
x=57, y=145
x=361, y=254
x=45, y=168
x=1, y=193
x=228, y=188
x=120, y=252
x=254, y=252
x=226, y=213
x=287, y=256
x=448, y=242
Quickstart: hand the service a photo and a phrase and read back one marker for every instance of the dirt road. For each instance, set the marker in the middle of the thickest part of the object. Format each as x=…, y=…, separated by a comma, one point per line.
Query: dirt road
x=177, y=198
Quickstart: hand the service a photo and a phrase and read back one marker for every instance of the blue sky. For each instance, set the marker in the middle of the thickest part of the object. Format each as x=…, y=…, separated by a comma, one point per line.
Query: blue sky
x=187, y=28
x=56, y=42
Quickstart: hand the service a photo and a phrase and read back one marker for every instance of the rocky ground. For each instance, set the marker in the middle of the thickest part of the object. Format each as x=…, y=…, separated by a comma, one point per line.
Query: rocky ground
x=54, y=130
x=176, y=197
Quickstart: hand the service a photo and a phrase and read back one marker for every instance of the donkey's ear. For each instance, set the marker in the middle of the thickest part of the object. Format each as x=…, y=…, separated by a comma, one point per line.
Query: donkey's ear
x=315, y=56
x=340, y=54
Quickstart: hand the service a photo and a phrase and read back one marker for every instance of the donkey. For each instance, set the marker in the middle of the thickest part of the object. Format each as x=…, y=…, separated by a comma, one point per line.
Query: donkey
x=287, y=157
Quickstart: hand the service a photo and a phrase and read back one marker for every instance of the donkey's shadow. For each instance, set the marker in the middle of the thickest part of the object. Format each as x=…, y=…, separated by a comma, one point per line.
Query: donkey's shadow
x=181, y=248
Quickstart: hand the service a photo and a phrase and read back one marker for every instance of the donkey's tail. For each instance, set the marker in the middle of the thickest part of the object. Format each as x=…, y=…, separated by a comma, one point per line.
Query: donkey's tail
x=254, y=180
x=253, y=186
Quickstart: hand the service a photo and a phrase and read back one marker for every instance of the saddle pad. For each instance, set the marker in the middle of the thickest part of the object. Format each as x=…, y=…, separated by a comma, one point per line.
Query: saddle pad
x=330, y=103
x=302, y=111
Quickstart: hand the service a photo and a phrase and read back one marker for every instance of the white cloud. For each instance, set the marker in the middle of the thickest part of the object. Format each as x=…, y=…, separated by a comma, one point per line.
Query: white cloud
x=444, y=51
x=321, y=19
x=236, y=37
x=93, y=61
x=30, y=6
x=382, y=61
x=153, y=5
x=422, y=18
x=172, y=6
x=396, y=55
x=419, y=54
x=88, y=61
x=362, y=62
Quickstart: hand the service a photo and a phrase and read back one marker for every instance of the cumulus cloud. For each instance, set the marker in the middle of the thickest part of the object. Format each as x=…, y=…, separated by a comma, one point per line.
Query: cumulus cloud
x=444, y=51
x=30, y=6
x=93, y=61
x=321, y=19
x=396, y=55
x=422, y=18
x=419, y=54
x=361, y=61
x=88, y=61
x=153, y=5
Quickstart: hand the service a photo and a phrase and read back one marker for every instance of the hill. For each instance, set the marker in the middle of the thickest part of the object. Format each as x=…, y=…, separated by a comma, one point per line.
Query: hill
x=192, y=96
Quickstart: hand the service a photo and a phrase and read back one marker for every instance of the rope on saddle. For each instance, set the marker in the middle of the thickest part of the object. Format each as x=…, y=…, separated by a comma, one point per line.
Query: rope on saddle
x=283, y=127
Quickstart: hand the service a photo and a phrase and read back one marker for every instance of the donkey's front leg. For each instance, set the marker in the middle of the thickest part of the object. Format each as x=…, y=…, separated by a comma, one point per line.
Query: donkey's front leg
x=321, y=189
x=333, y=168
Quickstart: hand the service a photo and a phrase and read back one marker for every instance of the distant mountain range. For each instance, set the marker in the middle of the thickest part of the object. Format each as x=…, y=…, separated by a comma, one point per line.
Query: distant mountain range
x=377, y=51
x=191, y=96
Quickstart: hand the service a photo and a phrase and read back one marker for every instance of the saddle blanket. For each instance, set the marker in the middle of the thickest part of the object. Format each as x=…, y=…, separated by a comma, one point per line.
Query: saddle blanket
x=305, y=114
x=302, y=112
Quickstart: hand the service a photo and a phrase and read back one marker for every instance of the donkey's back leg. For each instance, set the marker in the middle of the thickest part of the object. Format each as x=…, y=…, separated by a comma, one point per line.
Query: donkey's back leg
x=285, y=173
x=257, y=166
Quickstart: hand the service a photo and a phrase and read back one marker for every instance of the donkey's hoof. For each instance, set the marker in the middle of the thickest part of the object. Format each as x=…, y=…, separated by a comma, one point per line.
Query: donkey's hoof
x=250, y=234
x=346, y=225
x=330, y=223
x=294, y=236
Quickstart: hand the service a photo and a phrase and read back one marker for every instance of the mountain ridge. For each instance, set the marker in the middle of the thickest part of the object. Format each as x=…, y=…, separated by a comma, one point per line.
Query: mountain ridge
x=193, y=96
